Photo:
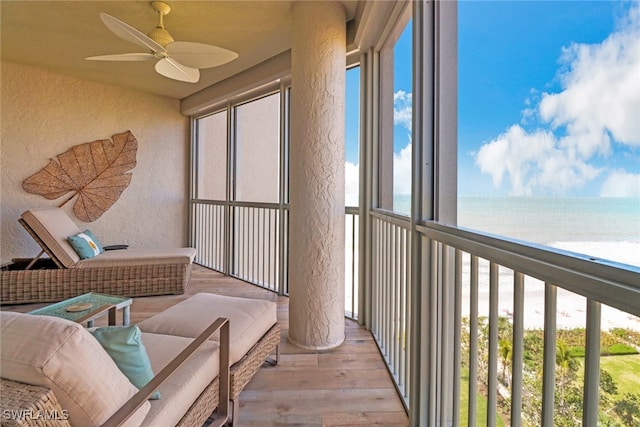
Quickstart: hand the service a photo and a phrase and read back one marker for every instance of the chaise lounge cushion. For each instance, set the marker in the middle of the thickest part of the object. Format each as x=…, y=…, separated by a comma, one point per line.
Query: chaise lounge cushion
x=70, y=362
x=53, y=226
x=249, y=320
x=182, y=388
x=133, y=257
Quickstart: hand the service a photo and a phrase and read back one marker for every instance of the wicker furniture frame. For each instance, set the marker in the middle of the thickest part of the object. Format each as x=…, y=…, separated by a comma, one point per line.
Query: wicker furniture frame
x=31, y=399
x=20, y=398
x=47, y=285
x=27, y=399
x=243, y=370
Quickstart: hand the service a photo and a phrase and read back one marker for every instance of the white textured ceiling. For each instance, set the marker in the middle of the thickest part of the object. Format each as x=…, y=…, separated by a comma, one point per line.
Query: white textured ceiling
x=58, y=35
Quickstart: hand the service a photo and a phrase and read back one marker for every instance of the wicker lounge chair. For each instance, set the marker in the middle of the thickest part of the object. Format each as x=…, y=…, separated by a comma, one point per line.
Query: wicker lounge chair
x=131, y=272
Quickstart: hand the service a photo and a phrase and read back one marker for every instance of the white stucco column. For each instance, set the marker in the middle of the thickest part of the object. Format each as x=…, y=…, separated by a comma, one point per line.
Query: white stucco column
x=316, y=227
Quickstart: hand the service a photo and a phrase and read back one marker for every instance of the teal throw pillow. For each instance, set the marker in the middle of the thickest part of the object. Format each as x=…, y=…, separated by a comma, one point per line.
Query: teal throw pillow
x=85, y=244
x=124, y=345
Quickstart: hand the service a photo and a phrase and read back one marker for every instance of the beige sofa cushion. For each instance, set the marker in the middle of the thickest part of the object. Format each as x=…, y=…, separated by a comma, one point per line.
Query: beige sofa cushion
x=63, y=356
x=183, y=387
x=249, y=320
x=133, y=257
x=53, y=226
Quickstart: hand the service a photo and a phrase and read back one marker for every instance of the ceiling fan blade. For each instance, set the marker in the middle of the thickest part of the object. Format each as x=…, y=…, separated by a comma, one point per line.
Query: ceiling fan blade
x=129, y=33
x=199, y=55
x=174, y=70
x=122, y=57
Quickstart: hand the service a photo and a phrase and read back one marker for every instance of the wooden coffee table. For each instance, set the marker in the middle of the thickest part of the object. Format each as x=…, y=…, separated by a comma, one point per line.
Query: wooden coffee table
x=88, y=307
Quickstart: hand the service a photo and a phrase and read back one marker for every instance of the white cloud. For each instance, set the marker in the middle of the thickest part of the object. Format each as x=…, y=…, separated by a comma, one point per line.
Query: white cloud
x=402, y=114
x=402, y=102
x=401, y=161
x=532, y=161
x=401, y=176
x=602, y=93
x=620, y=183
x=351, y=174
x=599, y=104
x=402, y=171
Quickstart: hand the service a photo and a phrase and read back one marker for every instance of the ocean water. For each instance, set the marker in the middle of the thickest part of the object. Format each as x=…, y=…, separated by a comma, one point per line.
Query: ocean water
x=606, y=228
x=602, y=227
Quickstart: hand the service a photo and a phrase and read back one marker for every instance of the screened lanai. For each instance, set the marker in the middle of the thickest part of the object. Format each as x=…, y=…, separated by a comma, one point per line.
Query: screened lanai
x=281, y=169
x=409, y=272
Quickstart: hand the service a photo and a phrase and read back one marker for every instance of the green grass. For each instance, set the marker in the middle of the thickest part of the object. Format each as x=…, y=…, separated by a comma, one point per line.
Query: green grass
x=481, y=411
x=625, y=371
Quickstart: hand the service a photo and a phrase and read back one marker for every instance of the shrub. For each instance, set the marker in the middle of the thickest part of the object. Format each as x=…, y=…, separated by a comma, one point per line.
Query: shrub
x=577, y=352
x=627, y=335
x=618, y=350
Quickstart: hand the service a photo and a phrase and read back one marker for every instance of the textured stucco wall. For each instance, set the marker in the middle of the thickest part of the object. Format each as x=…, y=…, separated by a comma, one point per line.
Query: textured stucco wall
x=316, y=242
x=44, y=114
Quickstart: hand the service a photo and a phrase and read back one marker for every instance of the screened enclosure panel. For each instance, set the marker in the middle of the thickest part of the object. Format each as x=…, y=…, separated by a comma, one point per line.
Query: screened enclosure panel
x=258, y=150
x=211, y=157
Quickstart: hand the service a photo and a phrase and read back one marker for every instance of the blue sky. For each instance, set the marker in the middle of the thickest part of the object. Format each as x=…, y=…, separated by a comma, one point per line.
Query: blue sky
x=549, y=98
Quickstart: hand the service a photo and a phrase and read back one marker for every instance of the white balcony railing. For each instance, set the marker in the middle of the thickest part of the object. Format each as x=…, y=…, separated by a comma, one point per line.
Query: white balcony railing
x=497, y=310
x=249, y=241
x=489, y=297
x=244, y=240
x=391, y=295
x=209, y=233
x=532, y=278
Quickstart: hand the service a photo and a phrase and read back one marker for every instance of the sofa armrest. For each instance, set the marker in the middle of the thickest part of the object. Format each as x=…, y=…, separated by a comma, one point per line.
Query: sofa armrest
x=91, y=316
x=222, y=324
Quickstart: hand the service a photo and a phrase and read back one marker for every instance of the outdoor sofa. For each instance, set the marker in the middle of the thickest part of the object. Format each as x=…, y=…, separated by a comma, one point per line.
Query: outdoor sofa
x=128, y=272
x=55, y=373
x=253, y=335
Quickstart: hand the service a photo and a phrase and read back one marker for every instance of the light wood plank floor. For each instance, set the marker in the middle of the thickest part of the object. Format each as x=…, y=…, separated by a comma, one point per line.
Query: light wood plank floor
x=347, y=386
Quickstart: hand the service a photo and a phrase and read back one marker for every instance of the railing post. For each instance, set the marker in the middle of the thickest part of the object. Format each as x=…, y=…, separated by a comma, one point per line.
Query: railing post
x=473, y=341
x=492, y=401
x=549, y=358
x=457, y=337
x=517, y=353
x=592, y=365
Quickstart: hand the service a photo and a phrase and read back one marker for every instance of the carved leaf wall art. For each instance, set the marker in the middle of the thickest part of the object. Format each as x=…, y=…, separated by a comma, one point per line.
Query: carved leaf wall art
x=93, y=171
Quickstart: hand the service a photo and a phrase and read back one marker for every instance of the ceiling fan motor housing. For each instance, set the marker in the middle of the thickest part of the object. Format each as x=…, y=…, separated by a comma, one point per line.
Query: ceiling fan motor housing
x=160, y=36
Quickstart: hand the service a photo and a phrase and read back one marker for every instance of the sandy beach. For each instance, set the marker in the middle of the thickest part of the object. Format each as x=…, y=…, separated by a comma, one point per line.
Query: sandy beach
x=572, y=308
x=571, y=313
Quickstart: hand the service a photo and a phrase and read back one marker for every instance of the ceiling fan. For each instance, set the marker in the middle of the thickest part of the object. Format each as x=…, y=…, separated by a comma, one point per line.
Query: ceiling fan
x=177, y=60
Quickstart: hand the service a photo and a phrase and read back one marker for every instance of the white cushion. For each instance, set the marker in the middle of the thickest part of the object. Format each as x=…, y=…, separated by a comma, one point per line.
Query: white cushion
x=181, y=389
x=133, y=257
x=53, y=226
x=63, y=356
x=249, y=320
